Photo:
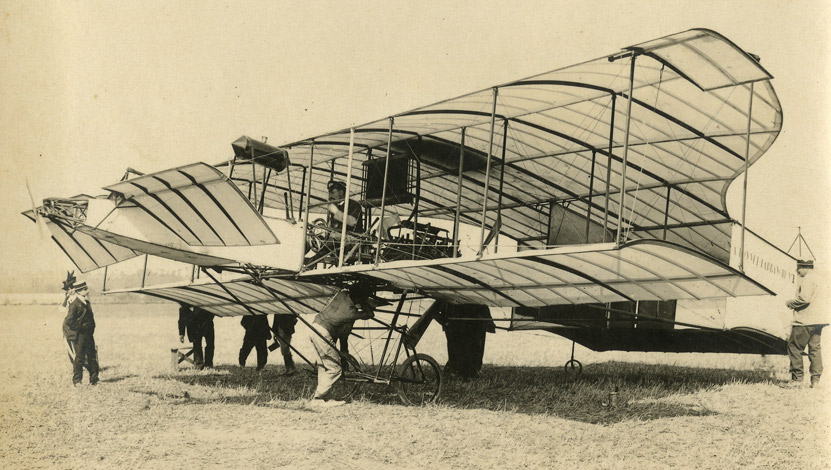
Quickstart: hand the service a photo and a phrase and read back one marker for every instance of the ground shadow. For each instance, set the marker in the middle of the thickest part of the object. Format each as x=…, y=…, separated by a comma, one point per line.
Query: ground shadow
x=118, y=379
x=532, y=390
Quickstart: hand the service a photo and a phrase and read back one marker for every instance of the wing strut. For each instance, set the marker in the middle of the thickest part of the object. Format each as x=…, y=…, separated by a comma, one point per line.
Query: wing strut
x=746, y=165
x=625, y=148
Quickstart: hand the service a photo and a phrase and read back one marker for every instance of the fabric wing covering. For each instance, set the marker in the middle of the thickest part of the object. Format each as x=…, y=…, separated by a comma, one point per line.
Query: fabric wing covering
x=226, y=298
x=86, y=252
x=198, y=205
x=558, y=138
x=640, y=270
x=143, y=247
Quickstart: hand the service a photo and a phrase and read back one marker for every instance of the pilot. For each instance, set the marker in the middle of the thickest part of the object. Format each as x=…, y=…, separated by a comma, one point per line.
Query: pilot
x=337, y=199
x=809, y=317
x=335, y=217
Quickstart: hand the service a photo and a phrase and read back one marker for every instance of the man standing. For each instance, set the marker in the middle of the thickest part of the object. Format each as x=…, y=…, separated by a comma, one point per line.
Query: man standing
x=256, y=335
x=79, y=327
x=809, y=317
x=465, y=328
x=187, y=324
x=283, y=328
x=203, y=320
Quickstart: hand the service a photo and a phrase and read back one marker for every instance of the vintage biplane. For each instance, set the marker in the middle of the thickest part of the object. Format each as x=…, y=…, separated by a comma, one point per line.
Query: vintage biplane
x=590, y=200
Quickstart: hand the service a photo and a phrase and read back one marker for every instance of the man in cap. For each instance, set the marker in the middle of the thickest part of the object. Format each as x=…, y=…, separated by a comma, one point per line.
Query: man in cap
x=809, y=317
x=337, y=201
x=79, y=324
x=335, y=219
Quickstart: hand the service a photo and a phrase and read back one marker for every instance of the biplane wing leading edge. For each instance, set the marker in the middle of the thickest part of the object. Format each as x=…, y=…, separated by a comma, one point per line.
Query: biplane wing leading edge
x=598, y=184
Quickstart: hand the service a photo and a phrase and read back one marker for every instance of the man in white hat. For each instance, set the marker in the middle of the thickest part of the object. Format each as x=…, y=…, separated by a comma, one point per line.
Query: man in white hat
x=80, y=325
x=809, y=317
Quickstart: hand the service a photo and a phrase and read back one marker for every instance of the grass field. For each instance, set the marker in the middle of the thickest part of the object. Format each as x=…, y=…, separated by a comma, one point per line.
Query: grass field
x=674, y=410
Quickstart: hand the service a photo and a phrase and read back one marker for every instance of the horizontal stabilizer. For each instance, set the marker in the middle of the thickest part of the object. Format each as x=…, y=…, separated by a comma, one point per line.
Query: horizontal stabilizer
x=144, y=247
x=198, y=206
x=85, y=251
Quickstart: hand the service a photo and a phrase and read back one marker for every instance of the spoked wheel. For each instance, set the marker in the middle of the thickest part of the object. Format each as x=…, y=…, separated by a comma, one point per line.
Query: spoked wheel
x=419, y=380
x=573, y=368
x=363, y=375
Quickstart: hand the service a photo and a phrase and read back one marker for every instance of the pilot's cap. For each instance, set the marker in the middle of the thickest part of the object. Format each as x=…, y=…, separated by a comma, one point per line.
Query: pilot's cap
x=336, y=184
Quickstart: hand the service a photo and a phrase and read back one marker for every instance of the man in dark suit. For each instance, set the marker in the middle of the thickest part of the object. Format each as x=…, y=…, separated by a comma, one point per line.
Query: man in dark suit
x=257, y=333
x=79, y=327
x=203, y=320
x=198, y=323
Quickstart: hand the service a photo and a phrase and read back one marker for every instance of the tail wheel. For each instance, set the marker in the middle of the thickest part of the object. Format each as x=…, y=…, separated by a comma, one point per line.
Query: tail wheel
x=419, y=380
x=573, y=368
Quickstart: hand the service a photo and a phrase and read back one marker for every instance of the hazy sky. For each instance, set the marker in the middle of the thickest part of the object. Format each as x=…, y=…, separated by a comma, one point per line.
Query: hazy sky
x=90, y=88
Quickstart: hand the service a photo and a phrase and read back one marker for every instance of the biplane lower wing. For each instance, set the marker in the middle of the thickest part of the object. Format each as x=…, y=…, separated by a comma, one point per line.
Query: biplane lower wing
x=243, y=296
x=639, y=270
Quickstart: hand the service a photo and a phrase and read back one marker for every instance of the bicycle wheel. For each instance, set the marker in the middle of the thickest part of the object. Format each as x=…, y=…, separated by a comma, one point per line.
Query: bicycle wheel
x=419, y=380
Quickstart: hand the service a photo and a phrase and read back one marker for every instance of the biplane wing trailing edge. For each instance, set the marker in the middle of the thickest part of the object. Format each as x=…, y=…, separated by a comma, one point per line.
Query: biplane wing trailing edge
x=598, y=188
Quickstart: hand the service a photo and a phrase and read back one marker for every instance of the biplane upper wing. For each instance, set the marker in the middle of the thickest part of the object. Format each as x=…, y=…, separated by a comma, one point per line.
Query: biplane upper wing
x=600, y=273
x=702, y=109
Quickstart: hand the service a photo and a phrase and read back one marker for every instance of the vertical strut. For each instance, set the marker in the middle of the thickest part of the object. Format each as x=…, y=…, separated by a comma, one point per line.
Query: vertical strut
x=456, y=240
x=384, y=195
x=487, y=176
x=346, y=198
x=746, y=167
x=609, y=170
x=666, y=211
x=591, y=191
x=501, y=185
x=309, y=199
x=625, y=150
